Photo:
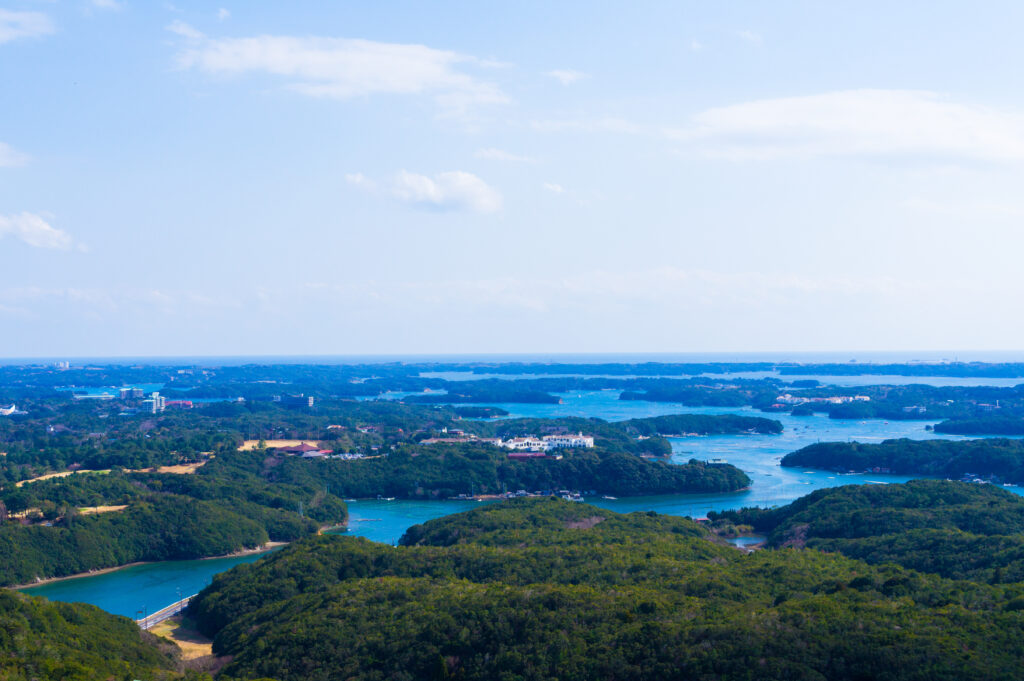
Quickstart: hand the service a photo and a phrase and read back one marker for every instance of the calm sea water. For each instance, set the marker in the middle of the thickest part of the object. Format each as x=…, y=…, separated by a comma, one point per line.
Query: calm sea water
x=151, y=587
x=841, y=381
x=141, y=589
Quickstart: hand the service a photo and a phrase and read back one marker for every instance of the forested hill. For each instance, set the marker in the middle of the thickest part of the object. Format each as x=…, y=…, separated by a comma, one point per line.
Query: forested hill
x=541, y=588
x=999, y=459
x=442, y=471
x=42, y=641
x=701, y=424
x=234, y=502
x=954, y=529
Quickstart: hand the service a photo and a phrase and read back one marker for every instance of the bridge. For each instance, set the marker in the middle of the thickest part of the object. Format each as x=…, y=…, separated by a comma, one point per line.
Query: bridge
x=149, y=621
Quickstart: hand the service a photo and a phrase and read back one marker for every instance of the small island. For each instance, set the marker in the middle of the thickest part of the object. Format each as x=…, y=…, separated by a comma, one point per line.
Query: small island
x=999, y=460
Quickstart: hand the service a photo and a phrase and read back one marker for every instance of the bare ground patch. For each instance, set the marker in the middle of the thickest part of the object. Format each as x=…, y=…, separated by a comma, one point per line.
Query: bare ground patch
x=192, y=644
x=584, y=524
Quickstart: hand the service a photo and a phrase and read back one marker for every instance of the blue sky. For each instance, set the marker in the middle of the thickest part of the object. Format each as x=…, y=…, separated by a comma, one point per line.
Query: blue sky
x=409, y=177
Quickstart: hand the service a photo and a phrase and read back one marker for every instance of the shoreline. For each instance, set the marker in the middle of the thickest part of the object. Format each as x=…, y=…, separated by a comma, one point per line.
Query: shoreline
x=264, y=548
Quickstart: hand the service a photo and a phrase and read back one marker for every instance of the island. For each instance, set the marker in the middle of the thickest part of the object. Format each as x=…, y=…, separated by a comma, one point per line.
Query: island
x=999, y=460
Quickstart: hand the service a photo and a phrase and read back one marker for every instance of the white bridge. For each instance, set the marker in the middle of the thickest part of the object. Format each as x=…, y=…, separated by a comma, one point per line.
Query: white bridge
x=164, y=613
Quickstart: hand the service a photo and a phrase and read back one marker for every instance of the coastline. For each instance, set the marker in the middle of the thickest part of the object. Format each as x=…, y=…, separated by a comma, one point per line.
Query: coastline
x=263, y=548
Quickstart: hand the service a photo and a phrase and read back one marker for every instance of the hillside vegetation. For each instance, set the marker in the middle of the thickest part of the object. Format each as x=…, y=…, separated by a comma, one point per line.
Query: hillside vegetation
x=954, y=529
x=1000, y=459
x=42, y=641
x=232, y=503
x=544, y=589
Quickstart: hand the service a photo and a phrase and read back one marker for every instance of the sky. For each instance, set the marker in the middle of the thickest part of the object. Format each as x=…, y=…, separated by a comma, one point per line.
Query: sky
x=271, y=178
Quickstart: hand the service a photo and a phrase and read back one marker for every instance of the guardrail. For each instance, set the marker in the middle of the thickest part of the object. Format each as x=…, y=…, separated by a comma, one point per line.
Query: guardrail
x=171, y=610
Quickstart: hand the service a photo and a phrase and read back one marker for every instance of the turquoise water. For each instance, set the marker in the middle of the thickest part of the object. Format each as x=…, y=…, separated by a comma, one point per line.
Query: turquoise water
x=141, y=589
x=602, y=404
x=154, y=586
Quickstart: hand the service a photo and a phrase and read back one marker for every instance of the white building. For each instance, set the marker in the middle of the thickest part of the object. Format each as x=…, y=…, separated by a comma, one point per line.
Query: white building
x=525, y=444
x=155, y=404
x=547, y=443
x=570, y=441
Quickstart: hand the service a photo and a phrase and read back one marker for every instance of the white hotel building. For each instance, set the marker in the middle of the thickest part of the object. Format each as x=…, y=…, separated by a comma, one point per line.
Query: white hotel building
x=548, y=442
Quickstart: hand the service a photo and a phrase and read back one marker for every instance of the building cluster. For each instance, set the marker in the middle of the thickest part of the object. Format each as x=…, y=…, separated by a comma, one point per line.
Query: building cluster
x=308, y=451
x=293, y=400
x=794, y=400
x=522, y=447
x=548, y=442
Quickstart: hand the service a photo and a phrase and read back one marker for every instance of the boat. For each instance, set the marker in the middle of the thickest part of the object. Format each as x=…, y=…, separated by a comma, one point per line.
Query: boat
x=608, y=496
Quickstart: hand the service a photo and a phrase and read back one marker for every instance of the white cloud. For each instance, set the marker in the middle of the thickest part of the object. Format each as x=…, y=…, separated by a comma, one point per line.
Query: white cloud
x=449, y=191
x=340, y=68
x=749, y=36
x=223, y=14
x=566, y=76
x=454, y=190
x=492, y=154
x=15, y=25
x=554, y=188
x=361, y=181
x=185, y=30
x=107, y=4
x=11, y=157
x=34, y=231
x=857, y=123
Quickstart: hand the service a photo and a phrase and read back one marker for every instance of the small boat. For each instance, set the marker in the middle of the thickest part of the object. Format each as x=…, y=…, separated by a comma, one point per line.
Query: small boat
x=607, y=496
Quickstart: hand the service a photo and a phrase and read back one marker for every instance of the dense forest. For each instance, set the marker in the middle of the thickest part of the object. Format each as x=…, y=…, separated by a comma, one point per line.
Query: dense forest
x=42, y=641
x=442, y=471
x=227, y=505
x=953, y=529
x=540, y=588
x=700, y=424
x=998, y=459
